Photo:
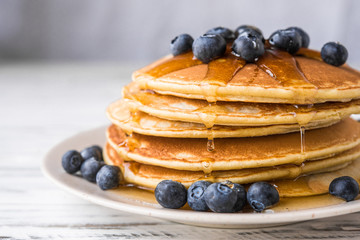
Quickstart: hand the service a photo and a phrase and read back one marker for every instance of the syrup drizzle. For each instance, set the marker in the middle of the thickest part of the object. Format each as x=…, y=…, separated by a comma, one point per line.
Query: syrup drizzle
x=207, y=168
x=214, y=78
x=302, y=136
x=283, y=67
x=222, y=70
x=173, y=64
x=208, y=118
x=130, y=143
x=303, y=120
x=309, y=53
x=210, y=142
x=219, y=71
x=279, y=65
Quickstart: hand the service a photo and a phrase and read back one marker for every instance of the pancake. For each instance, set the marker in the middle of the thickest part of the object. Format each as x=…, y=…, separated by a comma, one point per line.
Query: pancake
x=277, y=77
x=235, y=113
x=130, y=121
x=149, y=176
x=235, y=153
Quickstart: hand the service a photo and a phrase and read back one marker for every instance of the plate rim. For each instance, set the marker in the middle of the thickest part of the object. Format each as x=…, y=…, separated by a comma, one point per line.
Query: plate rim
x=188, y=216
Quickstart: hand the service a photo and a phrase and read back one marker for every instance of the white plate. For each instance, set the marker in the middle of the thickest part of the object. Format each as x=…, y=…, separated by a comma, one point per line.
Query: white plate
x=52, y=168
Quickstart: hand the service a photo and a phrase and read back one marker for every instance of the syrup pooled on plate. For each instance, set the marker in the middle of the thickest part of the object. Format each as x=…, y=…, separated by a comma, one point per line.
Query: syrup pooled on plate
x=146, y=197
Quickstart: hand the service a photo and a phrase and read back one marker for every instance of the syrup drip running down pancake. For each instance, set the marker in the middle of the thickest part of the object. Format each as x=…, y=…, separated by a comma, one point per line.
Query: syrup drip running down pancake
x=235, y=153
x=277, y=77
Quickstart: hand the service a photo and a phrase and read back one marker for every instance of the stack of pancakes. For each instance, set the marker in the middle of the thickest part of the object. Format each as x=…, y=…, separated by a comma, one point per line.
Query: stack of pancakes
x=284, y=119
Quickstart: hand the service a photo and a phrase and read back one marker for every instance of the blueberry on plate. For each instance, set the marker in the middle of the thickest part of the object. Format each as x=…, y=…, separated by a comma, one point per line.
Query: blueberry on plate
x=71, y=161
x=344, y=187
x=195, y=195
x=288, y=40
x=305, y=39
x=226, y=33
x=93, y=151
x=108, y=177
x=170, y=194
x=181, y=44
x=246, y=28
x=262, y=195
x=241, y=196
x=209, y=47
x=334, y=53
x=249, y=47
x=99, y=149
x=225, y=197
x=90, y=168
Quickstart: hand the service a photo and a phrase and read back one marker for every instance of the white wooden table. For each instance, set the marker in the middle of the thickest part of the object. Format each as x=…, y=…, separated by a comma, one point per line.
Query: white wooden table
x=40, y=105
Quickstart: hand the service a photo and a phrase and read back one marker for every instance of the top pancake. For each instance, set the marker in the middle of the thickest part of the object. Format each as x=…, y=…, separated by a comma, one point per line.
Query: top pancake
x=277, y=77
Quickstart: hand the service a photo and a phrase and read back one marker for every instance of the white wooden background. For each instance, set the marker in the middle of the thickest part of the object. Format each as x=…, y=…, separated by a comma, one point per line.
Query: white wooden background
x=40, y=105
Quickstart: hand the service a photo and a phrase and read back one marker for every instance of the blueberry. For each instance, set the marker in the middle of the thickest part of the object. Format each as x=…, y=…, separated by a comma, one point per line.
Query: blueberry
x=334, y=53
x=288, y=40
x=108, y=177
x=251, y=32
x=93, y=151
x=195, y=196
x=248, y=47
x=261, y=195
x=170, y=194
x=98, y=148
x=305, y=39
x=241, y=196
x=226, y=33
x=71, y=161
x=225, y=197
x=90, y=168
x=344, y=187
x=208, y=47
x=245, y=28
x=181, y=44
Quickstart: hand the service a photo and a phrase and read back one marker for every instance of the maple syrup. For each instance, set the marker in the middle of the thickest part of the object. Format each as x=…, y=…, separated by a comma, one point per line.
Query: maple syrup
x=210, y=145
x=206, y=167
x=309, y=53
x=210, y=140
x=278, y=64
x=173, y=64
x=129, y=143
x=302, y=140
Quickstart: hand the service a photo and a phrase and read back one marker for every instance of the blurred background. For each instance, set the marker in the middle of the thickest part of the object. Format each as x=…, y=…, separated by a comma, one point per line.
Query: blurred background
x=140, y=31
